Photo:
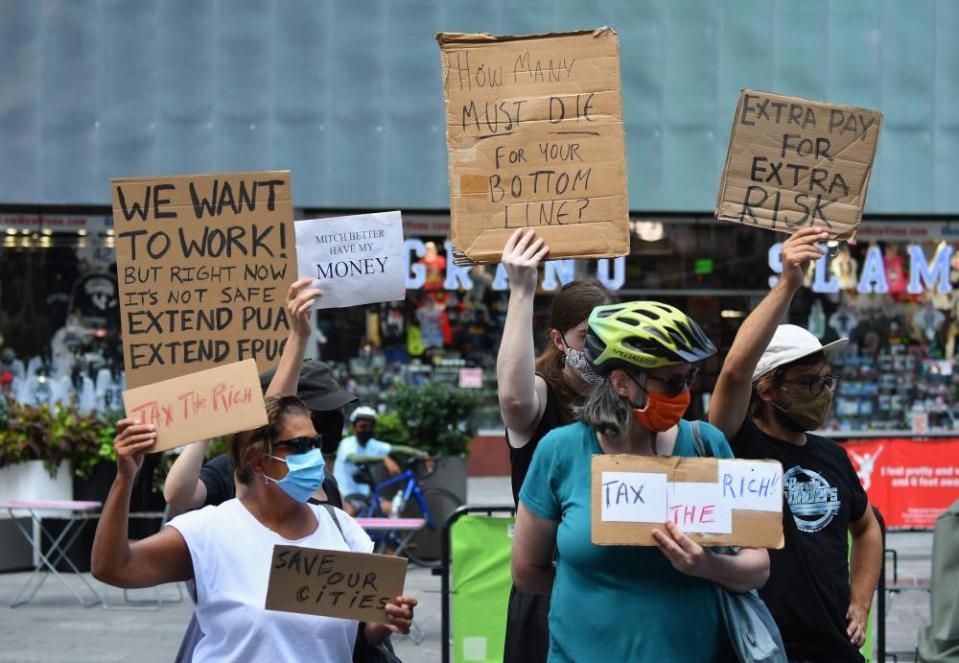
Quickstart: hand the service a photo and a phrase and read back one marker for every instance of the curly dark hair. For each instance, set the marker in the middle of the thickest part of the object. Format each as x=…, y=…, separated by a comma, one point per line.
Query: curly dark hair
x=249, y=446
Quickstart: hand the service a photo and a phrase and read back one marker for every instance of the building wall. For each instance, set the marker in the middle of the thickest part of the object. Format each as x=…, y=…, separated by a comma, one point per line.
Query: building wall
x=347, y=93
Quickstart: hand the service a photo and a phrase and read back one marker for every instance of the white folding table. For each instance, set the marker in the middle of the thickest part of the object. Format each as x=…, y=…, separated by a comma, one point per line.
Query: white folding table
x=76, y=515
x=409, y=527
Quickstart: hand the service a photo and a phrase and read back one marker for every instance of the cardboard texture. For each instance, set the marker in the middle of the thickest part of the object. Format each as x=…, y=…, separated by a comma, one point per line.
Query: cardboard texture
x=750, y=528
x=332, y=583
x=794, y=163
x=204, y=263
x=534, y=127
x=218, y=401
x=354, y=260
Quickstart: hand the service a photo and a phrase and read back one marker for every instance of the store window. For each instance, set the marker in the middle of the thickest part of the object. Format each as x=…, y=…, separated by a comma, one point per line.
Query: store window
x=448, y=330
x=59, y=311
x=894, y=296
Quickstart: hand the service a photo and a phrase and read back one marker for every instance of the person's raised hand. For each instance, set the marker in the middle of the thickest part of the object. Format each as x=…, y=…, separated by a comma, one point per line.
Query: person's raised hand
x=799, y=253
x=521, y=257
x=132, y=441
x=299, y=305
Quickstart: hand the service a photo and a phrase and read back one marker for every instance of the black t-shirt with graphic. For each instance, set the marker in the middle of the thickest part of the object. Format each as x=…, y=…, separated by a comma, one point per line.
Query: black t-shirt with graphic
x=808, y=590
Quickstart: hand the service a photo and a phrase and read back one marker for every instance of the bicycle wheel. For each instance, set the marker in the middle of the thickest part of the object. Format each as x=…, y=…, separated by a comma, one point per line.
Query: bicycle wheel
x=425, y=547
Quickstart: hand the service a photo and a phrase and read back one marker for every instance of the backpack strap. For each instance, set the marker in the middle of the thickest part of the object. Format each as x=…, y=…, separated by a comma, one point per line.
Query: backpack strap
x=702, y=451
x=698, y=443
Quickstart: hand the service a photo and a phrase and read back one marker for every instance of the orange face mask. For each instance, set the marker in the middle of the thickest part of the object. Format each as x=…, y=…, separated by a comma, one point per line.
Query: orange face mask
x=662, y=412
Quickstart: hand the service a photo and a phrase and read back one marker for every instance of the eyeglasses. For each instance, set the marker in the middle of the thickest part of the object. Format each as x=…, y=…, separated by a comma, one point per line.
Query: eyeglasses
x=300, y=445
x=816, y=385
x=676, y=384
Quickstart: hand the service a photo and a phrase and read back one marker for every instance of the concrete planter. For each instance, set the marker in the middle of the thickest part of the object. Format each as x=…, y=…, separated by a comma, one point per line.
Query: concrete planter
x=28, y=481
x=451, y=477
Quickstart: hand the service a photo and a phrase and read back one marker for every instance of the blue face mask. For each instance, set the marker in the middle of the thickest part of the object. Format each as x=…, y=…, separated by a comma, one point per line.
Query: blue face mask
x=305, y=475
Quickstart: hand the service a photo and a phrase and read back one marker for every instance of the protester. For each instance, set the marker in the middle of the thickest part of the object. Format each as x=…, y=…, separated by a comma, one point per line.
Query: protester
x=625, y=603
x=536, y=396
x=776, y=385
x=227, y=549
x=191, y=483
x=362, y=448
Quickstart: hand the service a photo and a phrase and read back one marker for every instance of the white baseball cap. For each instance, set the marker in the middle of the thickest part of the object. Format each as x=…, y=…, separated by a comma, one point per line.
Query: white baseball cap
x=791, y=342
x=363, y=412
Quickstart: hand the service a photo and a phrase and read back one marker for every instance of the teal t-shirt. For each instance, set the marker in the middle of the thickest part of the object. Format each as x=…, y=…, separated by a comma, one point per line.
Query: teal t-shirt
x=617, y=603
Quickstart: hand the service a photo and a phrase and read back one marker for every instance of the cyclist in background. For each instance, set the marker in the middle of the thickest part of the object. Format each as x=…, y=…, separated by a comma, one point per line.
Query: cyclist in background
x=362, y=448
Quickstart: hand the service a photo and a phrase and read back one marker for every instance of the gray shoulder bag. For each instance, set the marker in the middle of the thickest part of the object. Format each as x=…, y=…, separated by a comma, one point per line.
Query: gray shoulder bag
x=750, y=626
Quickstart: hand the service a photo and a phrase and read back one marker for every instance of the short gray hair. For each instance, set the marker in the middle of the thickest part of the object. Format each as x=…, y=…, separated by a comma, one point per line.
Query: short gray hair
x=606, y=411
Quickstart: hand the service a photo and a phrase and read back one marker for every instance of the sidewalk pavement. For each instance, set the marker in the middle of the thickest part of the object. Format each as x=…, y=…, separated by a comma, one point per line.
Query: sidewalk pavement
x=54, y=628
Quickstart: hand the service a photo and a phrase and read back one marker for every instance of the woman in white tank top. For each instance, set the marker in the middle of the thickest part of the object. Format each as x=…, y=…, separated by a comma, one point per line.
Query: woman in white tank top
x=227, y=549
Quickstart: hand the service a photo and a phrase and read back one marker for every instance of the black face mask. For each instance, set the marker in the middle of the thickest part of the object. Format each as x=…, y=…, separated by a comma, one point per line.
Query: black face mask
x=364, y=436
x=330, y=427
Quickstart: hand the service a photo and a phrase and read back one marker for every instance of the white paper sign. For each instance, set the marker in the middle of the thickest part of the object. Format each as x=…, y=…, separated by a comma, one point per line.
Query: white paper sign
x=634, y=497
x=698, y=507
x=354, y=259
x=751, y=486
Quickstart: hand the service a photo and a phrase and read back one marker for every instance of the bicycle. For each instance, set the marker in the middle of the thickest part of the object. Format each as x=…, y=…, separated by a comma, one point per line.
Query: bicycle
x=431, y=504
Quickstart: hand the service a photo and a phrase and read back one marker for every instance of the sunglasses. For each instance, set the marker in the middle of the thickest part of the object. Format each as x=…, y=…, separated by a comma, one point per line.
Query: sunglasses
x=676, y=384
x=300, y=445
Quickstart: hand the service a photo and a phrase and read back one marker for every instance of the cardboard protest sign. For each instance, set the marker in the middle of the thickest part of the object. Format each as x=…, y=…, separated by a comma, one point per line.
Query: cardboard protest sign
x=794, y=163
x=218, y=401
x=203, y=262
x=332, y=583
x=716, y=501
x=354, y=259
x=534, y=127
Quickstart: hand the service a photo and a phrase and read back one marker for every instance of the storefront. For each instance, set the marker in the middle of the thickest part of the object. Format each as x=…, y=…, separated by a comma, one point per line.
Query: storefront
x=891, y=294
x=449, y=327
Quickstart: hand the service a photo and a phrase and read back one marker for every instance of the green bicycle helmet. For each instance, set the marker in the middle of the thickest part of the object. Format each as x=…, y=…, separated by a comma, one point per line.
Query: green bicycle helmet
x=644, y=335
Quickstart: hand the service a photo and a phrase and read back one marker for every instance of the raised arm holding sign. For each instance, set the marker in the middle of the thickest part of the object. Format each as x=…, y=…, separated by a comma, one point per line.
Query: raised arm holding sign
x=228, y=549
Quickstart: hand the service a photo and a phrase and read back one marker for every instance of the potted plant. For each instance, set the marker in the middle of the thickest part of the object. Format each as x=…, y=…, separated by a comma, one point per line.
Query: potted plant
x=439, y=420
x=43, y=452
x=32, y=464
